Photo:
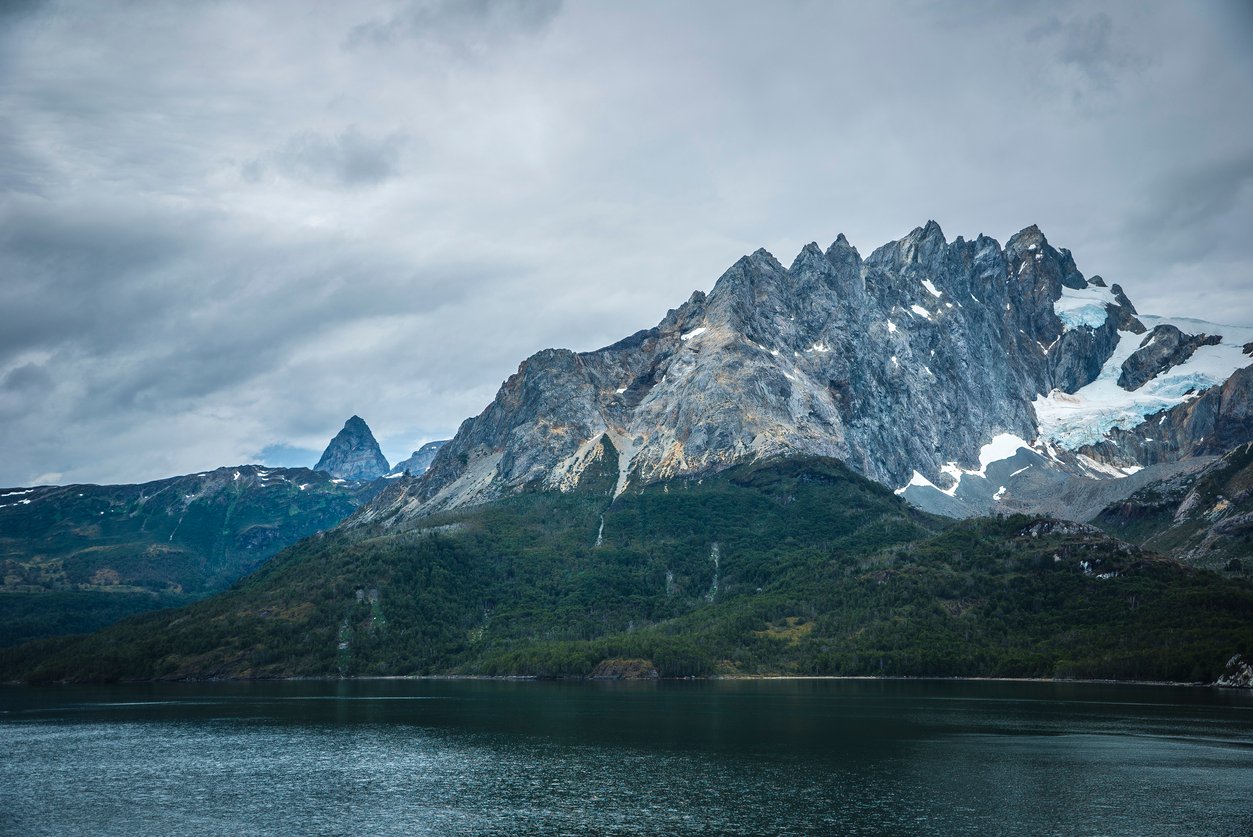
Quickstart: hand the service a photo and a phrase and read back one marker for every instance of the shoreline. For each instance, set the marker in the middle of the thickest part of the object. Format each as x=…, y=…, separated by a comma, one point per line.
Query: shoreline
x=530, y=678
x=761, y=677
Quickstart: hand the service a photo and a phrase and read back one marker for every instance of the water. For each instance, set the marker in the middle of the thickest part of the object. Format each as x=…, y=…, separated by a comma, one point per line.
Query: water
x=773, y=757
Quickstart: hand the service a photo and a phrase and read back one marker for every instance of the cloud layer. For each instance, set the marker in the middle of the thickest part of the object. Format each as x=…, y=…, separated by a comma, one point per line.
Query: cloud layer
x=226, y=227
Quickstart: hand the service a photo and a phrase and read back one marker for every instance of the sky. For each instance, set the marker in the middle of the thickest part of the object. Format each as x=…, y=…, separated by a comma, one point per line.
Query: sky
x=225, y=227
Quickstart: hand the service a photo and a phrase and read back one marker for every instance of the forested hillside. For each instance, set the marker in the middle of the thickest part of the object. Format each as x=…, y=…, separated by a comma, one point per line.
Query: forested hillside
x=793, y=567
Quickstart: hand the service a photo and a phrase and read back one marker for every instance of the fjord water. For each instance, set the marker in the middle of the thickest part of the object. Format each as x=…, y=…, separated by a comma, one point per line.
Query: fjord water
x=729, y=757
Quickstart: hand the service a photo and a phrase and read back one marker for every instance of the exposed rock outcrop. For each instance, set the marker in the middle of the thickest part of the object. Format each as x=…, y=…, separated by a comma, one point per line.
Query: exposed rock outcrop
x=1204, y=518
x=906, y=364
x=1210, y=424
x=419, y=461
x=1164, y=348
x=1239, y=674
x=353, y=454
x=632, y=669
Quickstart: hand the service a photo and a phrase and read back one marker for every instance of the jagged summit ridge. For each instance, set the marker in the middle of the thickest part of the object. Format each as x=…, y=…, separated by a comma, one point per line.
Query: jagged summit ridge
x=905, y=364
x=353, y=454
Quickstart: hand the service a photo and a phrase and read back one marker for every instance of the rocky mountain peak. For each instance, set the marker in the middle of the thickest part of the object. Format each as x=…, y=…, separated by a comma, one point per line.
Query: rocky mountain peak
x=419, y=462
x=923, y=246
x=905, y=366
x=353, y=454
x=810, y=254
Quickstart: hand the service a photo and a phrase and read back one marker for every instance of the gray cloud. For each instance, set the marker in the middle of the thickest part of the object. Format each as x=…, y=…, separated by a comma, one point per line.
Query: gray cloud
x=226, y=227
x=458, y=24
x=348, y=159
x=1083, y=42
x=28, y=376
x=12, y=11
x=1199, y=193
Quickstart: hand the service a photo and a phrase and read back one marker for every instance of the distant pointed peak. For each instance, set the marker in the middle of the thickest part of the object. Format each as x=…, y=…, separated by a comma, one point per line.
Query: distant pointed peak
x=811, y=253
x=922, y=244
x=763, y=258
x=929, y=231
x=841, y=247
x=354, y=453
x=1028, y=236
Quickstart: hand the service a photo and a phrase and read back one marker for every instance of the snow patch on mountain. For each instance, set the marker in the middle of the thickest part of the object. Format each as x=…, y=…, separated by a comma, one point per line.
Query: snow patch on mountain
x=1072, y=420
x=1084, y=307
x=922, y=482
x=1002, y=447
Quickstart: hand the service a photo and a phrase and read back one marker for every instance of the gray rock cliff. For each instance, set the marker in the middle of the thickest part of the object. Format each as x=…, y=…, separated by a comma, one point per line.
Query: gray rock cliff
x=960, y=371
x=419, y=461
x=1164, y=348
x=353, y=454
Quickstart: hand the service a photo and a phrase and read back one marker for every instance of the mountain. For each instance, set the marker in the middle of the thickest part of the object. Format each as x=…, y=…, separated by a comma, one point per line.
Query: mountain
x=744, y=488
x=79, y=556
x=794, y=566
x=1204, y=518
x=419, y=462
x=353, y=454
x=971, y=378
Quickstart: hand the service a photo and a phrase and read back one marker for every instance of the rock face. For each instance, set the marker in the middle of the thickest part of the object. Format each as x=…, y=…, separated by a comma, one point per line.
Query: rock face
x=353, y=454
x=420, y=461
x=621, y=669
x=920, y=366
x=1209, y=423
x=1204, y=518
x=1239, y=674
x=1164, y=348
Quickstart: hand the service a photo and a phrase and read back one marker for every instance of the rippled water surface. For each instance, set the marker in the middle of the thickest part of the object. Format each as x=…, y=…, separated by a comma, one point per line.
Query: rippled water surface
x=762, y=757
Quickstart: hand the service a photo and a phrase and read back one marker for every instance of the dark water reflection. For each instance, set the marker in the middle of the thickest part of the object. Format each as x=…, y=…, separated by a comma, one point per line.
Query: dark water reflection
x=774, y=757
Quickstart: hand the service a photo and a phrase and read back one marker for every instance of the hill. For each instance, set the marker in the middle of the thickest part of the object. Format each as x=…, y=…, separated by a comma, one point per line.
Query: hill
x=80, y=556
x=794, y=566
x=1205, y=519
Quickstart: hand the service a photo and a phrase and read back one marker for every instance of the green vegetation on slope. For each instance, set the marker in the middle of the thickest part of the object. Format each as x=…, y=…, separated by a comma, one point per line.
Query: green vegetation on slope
x=794, y=566
x=27, y=616
x=1204, y=519
x=75, y=558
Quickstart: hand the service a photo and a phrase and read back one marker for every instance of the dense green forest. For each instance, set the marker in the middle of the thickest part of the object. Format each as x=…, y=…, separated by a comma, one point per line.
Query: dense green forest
x=76, y=558
x=786, y=567
x=28, y=616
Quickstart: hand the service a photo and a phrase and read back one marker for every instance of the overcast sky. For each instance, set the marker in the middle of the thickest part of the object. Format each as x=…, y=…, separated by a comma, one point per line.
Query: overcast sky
x=226, y=227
